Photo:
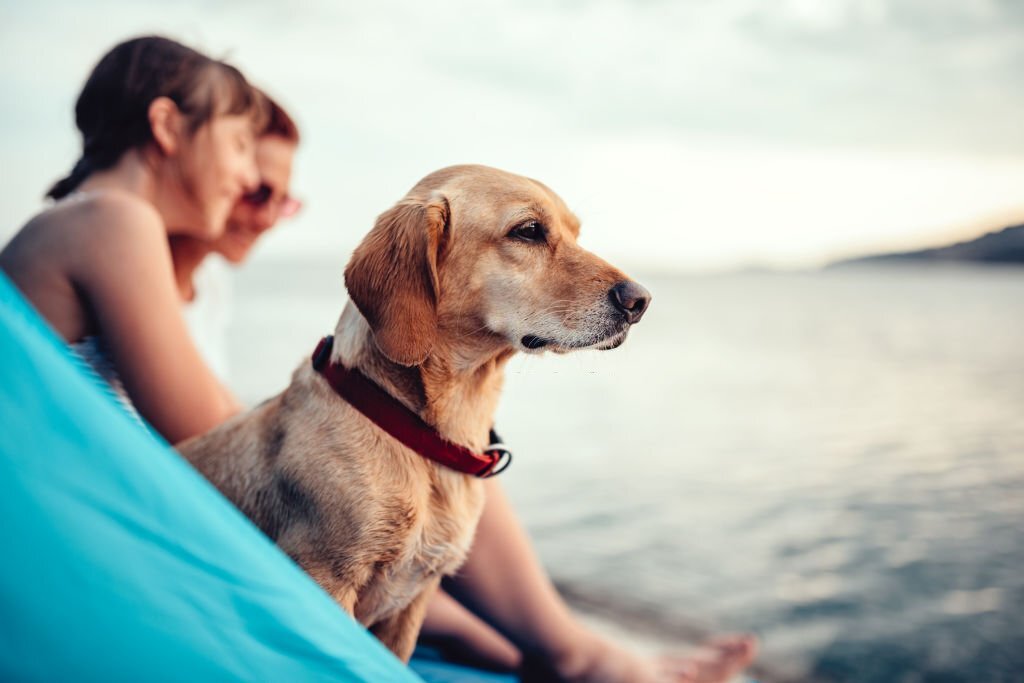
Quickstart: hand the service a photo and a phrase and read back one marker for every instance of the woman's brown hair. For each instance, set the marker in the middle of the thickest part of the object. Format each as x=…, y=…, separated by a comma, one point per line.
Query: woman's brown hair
x=277, y=121
x=112, y=111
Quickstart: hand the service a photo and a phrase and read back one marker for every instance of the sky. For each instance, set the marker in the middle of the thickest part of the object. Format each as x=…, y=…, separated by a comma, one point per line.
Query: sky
x=691, y=136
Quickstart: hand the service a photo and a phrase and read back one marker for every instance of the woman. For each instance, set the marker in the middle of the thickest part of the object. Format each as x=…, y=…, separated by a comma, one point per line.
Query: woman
x=168, y=137
x=201, y=281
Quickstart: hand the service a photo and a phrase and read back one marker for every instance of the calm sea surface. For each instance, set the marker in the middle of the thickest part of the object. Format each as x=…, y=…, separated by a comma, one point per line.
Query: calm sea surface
x=835, y=460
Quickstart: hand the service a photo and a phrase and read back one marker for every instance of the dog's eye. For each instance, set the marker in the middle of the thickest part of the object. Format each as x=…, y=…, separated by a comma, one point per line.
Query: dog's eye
x=528, y=232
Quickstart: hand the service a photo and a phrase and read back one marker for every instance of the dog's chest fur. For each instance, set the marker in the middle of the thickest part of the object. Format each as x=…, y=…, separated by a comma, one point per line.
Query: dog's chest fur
x=437, y=545
x=351, y=505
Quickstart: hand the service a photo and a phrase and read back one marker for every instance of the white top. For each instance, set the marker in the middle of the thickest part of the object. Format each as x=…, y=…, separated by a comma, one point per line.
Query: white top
x=208, y=314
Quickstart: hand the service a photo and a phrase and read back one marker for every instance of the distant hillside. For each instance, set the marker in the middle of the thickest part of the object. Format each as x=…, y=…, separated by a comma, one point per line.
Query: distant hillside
x=1004, y=246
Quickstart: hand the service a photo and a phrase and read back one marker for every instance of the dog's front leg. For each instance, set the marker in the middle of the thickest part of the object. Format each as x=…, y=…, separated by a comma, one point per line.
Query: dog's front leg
x=399, y=631
x=344, y=590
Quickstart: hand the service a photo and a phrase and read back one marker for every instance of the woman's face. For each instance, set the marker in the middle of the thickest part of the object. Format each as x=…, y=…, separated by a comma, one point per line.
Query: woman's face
x=218, y=166
x=258, y=211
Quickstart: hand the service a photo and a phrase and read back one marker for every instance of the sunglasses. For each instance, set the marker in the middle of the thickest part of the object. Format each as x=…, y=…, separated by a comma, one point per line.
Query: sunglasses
x=264, y=195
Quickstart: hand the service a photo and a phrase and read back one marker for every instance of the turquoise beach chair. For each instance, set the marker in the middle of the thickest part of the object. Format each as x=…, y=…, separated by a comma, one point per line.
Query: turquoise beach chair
x=121, y=563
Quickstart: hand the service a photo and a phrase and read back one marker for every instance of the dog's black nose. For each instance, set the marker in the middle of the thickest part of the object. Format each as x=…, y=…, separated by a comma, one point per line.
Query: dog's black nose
x=630, y=298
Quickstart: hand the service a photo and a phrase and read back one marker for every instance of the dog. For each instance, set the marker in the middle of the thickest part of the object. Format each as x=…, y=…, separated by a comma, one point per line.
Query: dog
x=472, y=266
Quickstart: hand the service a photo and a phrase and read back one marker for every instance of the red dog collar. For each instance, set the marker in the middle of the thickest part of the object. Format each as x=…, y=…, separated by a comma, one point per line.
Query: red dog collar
x=403, y=424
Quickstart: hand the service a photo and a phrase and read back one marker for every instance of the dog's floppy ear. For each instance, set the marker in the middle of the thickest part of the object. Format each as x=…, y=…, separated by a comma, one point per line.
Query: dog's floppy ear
x=393, y=277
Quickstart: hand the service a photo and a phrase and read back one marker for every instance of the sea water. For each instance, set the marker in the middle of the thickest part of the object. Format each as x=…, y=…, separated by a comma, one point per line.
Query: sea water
x=834, y=460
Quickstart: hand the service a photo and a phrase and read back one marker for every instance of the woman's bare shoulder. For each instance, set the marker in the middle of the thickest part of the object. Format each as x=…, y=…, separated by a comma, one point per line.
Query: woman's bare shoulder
x=82, y=227
x=81, y=246
x=85, y=218
x=107, y=213
x=97, y=229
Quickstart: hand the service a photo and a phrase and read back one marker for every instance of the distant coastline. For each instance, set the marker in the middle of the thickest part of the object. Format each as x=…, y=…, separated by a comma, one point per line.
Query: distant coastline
x=1002, y=247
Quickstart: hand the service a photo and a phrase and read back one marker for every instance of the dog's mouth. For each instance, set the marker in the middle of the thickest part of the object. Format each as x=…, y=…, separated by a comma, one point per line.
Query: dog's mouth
x=533, y=342
x=613, y=342
x=610, y=340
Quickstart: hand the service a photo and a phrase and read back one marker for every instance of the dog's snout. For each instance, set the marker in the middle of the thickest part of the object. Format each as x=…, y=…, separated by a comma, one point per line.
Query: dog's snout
x=630, y=298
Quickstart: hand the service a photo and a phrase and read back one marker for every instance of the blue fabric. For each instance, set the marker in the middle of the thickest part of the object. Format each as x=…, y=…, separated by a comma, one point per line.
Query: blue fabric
x=427, y=662
x=121, y=563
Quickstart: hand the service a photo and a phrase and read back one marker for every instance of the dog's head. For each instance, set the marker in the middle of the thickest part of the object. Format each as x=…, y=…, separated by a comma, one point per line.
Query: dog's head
x=474, y=259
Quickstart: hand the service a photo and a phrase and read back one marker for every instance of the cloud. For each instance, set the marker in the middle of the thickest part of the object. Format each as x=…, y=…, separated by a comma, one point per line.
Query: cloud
x=580, y=94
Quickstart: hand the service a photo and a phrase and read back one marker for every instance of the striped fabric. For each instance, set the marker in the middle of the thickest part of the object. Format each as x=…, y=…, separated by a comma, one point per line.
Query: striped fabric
x=94, y=358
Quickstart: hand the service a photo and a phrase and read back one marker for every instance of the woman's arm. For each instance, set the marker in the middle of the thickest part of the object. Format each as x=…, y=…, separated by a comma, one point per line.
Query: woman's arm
x=464, y=637
x=125, y=272
x=504, y=582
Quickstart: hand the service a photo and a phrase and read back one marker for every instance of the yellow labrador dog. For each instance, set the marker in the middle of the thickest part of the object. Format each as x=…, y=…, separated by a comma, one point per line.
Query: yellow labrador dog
x=473, y=265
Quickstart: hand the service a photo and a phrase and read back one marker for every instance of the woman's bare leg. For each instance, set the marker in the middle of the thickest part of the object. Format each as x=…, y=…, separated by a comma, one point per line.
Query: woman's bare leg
x=504, y=583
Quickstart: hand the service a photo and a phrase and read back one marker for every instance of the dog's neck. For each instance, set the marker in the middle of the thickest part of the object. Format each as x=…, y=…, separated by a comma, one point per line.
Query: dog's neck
x=455, y=390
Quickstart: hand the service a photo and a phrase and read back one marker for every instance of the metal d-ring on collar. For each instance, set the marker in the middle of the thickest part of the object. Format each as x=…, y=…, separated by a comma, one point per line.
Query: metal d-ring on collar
x=497, y=446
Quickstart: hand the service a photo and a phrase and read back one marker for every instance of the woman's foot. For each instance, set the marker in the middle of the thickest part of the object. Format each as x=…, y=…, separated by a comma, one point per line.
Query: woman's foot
x=716, y=661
